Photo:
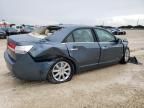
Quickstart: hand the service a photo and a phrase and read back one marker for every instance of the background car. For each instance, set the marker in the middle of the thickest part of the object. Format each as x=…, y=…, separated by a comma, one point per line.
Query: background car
x=117, y=31
x=23, y=29
x=2, y=33
x=66, y=51
x=10, y=31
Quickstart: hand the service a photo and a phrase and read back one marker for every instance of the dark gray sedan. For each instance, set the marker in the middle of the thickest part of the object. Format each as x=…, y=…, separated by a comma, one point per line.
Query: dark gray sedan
x=63, y=51
x=2, y=33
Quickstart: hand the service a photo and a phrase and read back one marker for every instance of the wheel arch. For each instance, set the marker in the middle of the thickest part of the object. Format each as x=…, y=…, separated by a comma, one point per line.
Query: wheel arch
x=73, y=62
x=61, y=58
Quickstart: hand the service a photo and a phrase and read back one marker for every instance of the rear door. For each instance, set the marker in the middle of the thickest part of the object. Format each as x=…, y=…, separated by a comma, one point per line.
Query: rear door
x=83, y=47
x=111, y=50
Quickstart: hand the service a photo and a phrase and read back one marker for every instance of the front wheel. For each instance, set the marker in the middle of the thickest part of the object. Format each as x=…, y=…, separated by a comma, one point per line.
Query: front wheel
x=61, y=71
x=126, y=56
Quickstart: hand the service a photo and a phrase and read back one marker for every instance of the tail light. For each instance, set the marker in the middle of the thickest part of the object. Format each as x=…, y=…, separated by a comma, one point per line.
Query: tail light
x=19, y=49
x=23, y=49
x=11, y=46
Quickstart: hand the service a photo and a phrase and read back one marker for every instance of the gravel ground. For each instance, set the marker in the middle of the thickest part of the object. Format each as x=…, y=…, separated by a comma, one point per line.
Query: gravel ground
x=117, y=86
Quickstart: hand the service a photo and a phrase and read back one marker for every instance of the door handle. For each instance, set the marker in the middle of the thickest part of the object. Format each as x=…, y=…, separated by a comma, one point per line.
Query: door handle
x=74, y=49
x=104, y=47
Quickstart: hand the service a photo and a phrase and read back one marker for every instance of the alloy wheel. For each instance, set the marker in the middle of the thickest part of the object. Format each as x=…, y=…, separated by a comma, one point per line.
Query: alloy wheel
x=127, y=54
x=61, y=71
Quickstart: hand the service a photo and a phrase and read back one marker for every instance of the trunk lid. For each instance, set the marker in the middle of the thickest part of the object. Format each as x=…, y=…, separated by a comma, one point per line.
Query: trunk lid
x=19, y=40
x=23, y=39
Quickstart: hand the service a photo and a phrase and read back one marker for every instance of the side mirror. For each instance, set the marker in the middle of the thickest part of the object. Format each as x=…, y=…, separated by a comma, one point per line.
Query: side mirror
x=119, y=41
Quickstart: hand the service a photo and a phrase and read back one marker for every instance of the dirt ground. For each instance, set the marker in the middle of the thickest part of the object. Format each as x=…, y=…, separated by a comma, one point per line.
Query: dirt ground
x=117, y=86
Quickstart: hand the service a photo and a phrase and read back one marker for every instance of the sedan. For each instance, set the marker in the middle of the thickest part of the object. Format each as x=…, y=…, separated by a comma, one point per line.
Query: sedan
x=10, y=31
x=63, y=51
x=117, y=31
x=2, y=33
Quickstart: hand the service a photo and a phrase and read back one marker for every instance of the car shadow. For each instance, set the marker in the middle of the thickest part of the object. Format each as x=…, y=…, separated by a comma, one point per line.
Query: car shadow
x=19, y=82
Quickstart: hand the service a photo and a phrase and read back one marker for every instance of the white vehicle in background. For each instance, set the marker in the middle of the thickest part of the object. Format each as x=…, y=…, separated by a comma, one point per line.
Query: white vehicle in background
x=23, y=29
x=19, y=28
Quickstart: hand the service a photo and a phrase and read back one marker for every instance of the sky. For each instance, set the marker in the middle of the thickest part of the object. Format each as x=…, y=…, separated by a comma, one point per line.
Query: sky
x=87, y=12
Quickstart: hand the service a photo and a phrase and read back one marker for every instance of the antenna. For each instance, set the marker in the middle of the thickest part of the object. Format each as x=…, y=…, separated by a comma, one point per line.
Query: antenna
x=103, y=23
x=138, y=21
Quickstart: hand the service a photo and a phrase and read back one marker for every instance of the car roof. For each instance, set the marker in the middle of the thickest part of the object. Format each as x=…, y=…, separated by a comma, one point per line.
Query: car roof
x=60, y=35
x=70, y=26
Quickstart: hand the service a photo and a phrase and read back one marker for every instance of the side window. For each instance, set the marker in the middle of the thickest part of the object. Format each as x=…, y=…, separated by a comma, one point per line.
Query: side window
x=69, y=38
x=83, y=35
x=104, y=36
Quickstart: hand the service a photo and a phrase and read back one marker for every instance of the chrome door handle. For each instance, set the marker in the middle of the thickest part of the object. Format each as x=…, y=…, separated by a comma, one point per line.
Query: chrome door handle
x=74, y=49
x=104, y=47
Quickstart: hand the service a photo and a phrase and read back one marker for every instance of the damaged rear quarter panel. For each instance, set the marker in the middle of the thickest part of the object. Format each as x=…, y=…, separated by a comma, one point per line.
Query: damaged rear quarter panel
x=47, y=51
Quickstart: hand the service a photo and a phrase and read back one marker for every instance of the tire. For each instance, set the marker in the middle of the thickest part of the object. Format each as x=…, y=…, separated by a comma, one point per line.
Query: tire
x=126, y=56
x=2, y=37
x=57, y=74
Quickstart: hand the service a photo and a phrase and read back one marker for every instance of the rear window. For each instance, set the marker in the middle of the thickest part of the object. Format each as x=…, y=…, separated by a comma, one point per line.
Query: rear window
x=43, y=32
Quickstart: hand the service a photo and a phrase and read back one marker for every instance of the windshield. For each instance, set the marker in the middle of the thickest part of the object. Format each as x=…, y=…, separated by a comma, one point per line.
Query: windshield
x=43, y=32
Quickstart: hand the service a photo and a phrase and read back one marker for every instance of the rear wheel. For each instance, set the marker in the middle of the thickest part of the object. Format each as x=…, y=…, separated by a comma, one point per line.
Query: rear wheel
x=61, y=71
x=126, y=56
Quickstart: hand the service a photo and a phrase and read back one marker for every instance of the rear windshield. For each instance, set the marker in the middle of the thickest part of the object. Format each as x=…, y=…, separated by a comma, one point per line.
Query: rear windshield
x=43, y=32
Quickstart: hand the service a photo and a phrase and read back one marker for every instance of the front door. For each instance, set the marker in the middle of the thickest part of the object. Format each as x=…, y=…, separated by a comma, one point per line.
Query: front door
x=111, y=50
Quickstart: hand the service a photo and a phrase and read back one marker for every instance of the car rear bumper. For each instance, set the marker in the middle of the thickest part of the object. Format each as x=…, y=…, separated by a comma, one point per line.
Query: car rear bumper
x=26, y=68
